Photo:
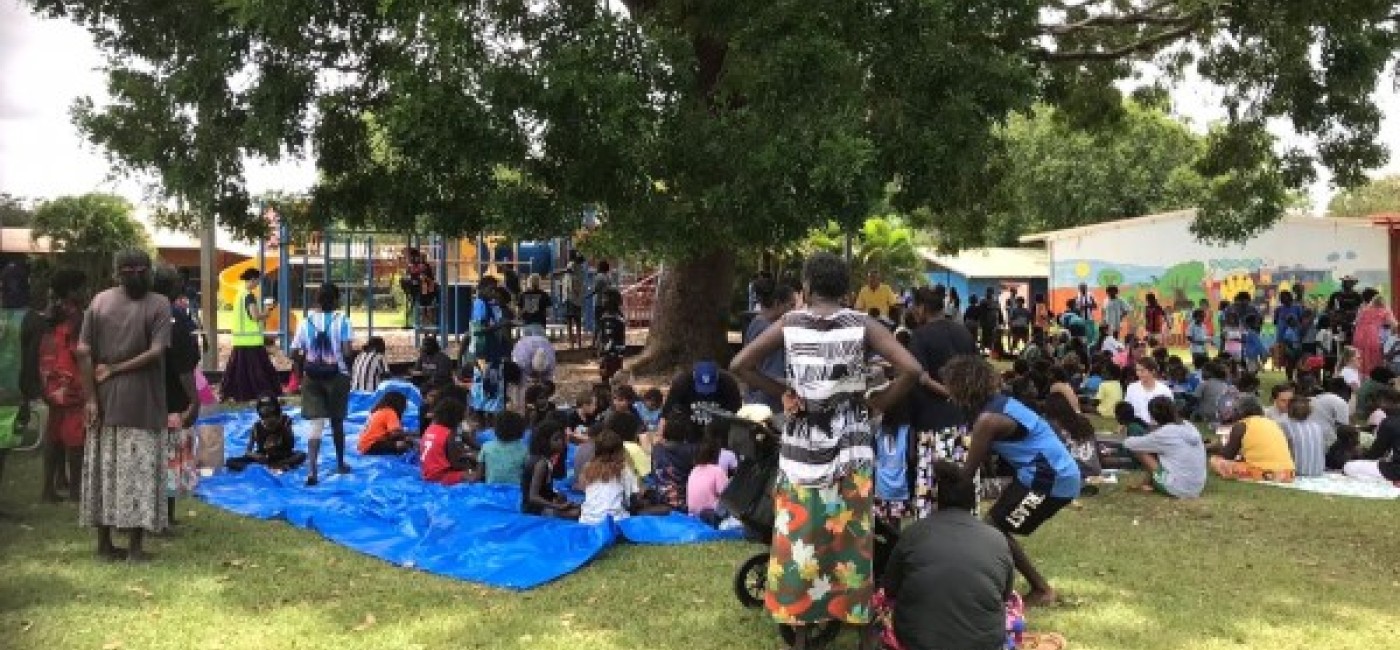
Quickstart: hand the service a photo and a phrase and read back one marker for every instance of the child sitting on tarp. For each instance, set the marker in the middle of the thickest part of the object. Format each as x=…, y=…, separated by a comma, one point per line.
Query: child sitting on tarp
x=503, y=459
x=383, y=434
x=272, y=442
x=445, y=459
x=537, y=495
x=672, y=460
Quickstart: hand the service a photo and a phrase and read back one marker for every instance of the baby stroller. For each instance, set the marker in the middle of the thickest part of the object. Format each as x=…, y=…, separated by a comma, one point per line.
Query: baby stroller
x=749, y=498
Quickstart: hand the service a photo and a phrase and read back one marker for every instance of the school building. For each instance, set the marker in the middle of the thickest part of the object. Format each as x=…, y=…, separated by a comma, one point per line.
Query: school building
x=1158, y=254
x=972, y=272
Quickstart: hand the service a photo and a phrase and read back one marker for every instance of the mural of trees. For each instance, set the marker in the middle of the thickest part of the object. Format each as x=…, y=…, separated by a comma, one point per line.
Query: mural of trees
x=1182, y=285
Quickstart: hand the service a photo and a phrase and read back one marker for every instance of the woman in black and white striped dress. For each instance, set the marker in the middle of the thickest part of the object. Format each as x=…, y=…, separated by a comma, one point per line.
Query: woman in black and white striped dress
x=821, y=563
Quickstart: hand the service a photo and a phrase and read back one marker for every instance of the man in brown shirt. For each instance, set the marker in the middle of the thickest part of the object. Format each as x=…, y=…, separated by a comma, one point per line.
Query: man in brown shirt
x=120, y=353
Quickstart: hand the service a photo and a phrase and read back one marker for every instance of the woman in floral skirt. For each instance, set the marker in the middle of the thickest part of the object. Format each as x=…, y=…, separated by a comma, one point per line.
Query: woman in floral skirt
x=821, y=561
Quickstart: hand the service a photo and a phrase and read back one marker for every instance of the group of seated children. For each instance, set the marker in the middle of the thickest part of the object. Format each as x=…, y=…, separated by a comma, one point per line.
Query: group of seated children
x=619, y=464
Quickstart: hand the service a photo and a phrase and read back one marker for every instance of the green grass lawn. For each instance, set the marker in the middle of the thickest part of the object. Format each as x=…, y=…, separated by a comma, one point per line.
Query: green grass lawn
x=1245, y=567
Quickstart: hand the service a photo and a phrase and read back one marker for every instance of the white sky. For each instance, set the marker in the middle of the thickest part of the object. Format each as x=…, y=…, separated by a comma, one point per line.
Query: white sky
x=45, y=65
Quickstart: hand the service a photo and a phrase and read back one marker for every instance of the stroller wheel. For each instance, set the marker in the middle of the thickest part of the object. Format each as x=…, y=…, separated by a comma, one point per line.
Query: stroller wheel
x=820, y=638
x=751, y=580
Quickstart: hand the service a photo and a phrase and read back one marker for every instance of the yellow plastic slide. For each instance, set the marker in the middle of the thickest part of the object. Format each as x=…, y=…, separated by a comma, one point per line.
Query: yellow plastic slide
x=229, y=285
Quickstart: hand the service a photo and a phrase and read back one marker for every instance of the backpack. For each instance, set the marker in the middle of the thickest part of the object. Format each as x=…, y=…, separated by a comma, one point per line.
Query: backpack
x=58, y=368
x=891, y=465
x=321, y=361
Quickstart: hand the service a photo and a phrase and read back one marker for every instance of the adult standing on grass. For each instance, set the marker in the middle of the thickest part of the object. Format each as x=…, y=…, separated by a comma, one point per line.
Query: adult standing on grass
x=1372, y=322
x=575, y=276
x=321, y=342
x=120, y=350
x=773, y=300
x=21, y=329
x=534, y=305
x=1046, y=475
x=65, y=428
x=941, y=426
x=875, y=294
x=1115, y=310
x=489, y=329
x=823, y=539
x=249, y=373
x=181, y=398
x=1084, y=304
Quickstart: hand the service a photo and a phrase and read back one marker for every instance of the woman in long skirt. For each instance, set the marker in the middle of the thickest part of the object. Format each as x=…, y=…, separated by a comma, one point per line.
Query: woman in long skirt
x=249, y=373
x=823, y=542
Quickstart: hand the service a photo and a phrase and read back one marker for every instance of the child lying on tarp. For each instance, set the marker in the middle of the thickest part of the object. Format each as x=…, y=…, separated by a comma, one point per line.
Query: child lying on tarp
x=271, y=442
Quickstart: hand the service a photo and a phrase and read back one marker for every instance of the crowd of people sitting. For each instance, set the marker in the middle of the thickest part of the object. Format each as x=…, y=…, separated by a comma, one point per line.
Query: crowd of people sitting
x=892, y=429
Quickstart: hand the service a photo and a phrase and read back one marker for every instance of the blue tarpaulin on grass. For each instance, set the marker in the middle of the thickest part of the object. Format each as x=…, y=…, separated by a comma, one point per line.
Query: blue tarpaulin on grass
x=384, y=509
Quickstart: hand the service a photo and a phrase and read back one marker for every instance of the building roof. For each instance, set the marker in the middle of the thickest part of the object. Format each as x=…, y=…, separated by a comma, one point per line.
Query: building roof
x=17, y=240
x=1179, y=215
x=1018, y=263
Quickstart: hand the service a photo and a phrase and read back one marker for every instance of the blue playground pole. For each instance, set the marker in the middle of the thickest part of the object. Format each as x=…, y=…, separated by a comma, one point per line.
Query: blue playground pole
x=284, y=288
x=443, y=288
x=325, y=258
x=369, y=283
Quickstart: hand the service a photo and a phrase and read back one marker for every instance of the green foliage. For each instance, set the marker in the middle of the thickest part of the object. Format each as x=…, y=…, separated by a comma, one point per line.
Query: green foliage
x=14, y=212
x=1063, y=175
x=88, y=230
x=1376, y=197
x=884, y=243
x=91, y=223
x=699, y=127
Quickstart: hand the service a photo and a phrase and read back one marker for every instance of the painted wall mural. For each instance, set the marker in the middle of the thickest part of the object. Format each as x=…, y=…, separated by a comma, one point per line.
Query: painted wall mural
x=1162, y=257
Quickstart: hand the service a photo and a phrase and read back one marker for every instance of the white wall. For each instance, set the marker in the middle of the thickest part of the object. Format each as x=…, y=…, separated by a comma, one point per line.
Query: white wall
x=1314, y=251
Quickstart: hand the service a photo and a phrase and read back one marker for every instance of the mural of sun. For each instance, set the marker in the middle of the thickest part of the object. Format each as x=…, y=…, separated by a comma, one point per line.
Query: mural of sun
x=1081, y=270
x=1234, y=283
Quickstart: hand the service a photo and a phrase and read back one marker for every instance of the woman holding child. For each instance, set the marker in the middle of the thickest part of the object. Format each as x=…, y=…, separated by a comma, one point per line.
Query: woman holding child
x=822, y=540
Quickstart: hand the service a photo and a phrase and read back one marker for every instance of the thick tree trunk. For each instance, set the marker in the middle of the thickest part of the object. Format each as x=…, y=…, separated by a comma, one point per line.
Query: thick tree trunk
x=691, y=320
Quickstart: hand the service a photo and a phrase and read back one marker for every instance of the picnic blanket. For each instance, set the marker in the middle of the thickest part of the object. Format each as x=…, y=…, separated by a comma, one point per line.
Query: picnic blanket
x=384, y=509
x=1341, y=485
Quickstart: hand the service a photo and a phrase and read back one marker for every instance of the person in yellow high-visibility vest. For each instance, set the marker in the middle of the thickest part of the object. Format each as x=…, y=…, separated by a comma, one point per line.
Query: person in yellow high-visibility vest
x=249, y=373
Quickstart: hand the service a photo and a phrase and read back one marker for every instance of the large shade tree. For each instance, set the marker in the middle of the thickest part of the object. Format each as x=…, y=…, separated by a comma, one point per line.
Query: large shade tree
x=699, y=128
x=1060, y=175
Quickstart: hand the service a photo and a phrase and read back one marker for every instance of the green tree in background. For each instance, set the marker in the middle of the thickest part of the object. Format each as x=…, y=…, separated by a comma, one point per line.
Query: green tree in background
x=1376, y=197
x=700, y=129
x=886, y=244
x=1063, y=175
x=14, y=212
x=86, y=231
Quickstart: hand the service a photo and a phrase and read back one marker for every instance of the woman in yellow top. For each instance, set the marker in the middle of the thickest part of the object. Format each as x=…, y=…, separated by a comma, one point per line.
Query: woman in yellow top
x=1257, y=449
x=249, y=374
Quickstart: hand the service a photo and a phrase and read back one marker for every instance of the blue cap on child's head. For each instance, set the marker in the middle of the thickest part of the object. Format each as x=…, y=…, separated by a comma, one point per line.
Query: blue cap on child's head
x=706, y=376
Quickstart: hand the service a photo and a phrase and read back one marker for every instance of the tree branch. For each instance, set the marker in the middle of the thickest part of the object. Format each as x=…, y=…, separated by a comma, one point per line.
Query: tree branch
x=1155, y=41
x=1147, y=16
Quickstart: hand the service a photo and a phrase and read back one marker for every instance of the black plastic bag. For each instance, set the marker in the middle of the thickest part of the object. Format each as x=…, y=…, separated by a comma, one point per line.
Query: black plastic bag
x=749, y=495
